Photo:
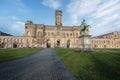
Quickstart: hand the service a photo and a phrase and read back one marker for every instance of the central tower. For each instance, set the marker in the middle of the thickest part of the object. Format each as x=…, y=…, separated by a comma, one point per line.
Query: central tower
x=58, y=18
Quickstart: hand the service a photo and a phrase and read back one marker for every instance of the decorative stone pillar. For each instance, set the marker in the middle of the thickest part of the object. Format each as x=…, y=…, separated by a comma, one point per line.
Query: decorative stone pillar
x=85, y=43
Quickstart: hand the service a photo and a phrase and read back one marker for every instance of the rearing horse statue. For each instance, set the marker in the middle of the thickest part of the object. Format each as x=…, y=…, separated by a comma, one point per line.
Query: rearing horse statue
x=84, y=28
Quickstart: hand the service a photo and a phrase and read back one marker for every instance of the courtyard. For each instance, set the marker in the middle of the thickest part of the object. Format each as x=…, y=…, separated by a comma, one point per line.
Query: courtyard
x=59, y=64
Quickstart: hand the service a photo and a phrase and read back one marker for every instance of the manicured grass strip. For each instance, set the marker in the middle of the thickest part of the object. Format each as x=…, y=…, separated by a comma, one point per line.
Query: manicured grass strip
x=91, y=66
x=8, y=54
x=111, y=49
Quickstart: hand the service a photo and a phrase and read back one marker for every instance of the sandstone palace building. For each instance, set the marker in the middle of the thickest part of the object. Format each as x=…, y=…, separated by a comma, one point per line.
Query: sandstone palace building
x=58, y=35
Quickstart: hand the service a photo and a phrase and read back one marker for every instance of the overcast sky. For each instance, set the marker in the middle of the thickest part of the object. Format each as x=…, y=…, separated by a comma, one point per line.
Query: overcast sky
x=102, y=15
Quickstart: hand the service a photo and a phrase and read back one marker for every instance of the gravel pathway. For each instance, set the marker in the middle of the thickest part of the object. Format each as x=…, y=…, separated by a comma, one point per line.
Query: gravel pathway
x=43, y=65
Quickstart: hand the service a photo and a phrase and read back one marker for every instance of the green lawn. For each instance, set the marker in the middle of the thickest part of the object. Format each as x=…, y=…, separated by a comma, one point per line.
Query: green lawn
x=91, y=66
x=8, y=54
x=113, y=49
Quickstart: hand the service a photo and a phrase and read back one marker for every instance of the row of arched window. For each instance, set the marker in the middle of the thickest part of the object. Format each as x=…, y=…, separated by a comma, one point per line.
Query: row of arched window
x=105, y=42
x=38, y=34
x=64, y=34
x=52, y=34
x=11, y=40
x=111, y=36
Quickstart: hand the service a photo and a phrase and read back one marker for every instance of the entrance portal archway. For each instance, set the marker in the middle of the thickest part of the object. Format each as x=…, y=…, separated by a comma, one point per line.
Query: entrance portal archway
x=58, y=43
x=104, y=46
x=68, y=43
x=2, y=45
x=48, y=43
x=14, y=45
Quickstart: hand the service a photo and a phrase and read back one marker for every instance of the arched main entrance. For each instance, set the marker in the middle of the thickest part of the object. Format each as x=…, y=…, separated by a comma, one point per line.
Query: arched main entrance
x=58, y=43
x=95, y=46
x=48, y=43
x=104, y=46
x=68, y=43
x=14, y=45
x=2, y=45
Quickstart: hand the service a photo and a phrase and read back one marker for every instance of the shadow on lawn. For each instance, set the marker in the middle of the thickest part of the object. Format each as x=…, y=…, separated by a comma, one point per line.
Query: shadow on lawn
x=105, y=70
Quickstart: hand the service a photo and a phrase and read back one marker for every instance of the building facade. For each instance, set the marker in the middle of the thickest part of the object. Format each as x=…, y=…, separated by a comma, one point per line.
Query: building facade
x=40, y=35
x=110, y=40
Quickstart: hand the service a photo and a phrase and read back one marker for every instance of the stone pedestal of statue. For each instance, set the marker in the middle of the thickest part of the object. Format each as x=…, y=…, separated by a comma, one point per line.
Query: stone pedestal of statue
x=85, y=43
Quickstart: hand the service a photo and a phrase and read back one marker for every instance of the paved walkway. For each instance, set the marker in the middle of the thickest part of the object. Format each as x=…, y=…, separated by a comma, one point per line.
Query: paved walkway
x=44, y=65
